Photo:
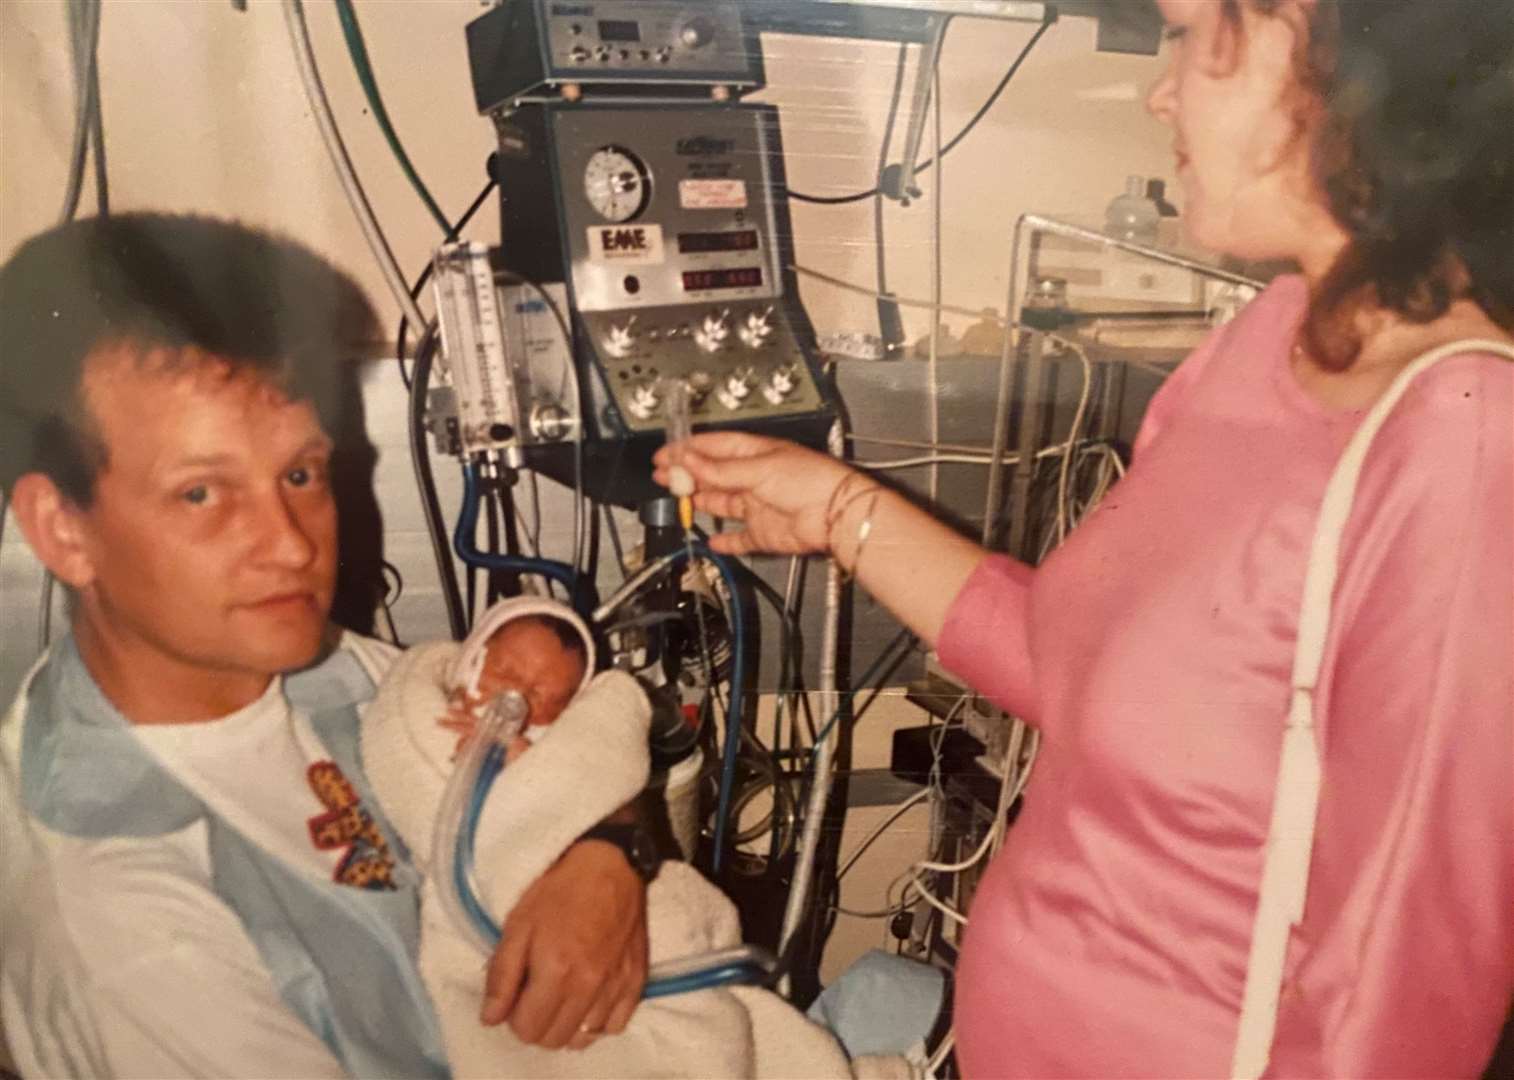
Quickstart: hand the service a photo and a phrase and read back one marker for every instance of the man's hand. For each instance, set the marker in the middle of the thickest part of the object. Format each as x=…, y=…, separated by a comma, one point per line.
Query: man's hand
x=573, y=960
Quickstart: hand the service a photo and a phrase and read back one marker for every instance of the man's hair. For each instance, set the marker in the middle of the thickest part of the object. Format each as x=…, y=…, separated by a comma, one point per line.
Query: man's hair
x=159, y=283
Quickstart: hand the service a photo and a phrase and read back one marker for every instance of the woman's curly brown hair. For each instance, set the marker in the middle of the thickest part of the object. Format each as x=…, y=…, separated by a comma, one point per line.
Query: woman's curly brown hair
x=1414, y=151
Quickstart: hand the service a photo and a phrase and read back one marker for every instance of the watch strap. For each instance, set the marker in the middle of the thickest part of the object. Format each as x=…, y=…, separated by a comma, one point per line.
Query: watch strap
x=634, y=841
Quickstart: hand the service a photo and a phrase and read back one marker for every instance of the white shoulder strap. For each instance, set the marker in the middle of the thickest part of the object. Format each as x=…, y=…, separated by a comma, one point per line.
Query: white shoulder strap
x=1290, y=836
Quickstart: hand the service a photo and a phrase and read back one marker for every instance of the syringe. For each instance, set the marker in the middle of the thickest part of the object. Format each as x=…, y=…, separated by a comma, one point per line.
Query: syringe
x=679, y=427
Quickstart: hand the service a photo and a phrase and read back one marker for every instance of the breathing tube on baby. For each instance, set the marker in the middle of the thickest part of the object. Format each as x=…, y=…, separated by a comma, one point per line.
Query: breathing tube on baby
x=480, y=761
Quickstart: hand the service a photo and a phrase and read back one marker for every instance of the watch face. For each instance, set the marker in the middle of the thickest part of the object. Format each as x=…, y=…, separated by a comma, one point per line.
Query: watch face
x=616, y=183
x=642, y=851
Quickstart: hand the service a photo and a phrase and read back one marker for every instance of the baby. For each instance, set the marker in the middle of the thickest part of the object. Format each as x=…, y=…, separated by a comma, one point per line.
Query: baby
x=588, y=758
x=544, y=657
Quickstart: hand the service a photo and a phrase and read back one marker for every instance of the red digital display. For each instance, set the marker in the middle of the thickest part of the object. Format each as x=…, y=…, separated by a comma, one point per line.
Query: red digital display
x=701, y=242
x=739, y=277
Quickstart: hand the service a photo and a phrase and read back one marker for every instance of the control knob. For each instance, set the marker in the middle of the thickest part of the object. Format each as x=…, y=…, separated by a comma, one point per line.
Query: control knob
x=620, y=340
x=756, y=328
x=645, y=399
x=782, y=381
x=697, y=32
x=550, y=422
x=700, y=384
x=737, y=388
x=713, y=331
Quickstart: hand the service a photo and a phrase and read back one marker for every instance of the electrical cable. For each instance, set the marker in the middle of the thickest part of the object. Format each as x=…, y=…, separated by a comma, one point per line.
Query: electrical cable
x=506, y=500
x=1072, y=437
x=932, y=378
x=1013, y=778
x=883, y=826
x=425, y=482
x=84, y=39
x=936, y=902
x=85, y=54
x=904, y=638
x=927, y=459
x=888, y=313
x=84, y=48
x=943, y=1051
x=391, y=597
x=315, y=93
x=492, y=540
x=837, y=200
x=620, y=553
x=735, y=711
x=466, y=548
x=358, y=50
x=534, y=532
x=925, y=305
x=470, y=586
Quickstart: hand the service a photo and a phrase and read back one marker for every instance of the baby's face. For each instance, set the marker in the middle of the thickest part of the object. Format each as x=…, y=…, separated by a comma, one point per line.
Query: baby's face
x=527, y=657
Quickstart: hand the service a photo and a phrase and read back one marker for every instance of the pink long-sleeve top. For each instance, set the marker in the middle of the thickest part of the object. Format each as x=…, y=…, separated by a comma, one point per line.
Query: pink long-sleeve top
x=1109, y=937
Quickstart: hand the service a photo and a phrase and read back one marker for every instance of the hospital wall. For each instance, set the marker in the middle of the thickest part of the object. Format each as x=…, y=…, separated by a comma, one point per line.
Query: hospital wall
x=204, y=113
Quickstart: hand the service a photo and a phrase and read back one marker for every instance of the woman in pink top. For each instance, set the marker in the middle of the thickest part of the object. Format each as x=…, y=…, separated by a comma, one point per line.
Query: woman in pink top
x=1371, y=142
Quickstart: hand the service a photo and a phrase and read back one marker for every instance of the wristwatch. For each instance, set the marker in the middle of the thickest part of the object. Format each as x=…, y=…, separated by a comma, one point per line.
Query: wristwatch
x=635, y=842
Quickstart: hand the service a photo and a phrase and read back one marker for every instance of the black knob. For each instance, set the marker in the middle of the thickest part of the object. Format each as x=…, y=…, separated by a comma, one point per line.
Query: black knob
x=501, y=432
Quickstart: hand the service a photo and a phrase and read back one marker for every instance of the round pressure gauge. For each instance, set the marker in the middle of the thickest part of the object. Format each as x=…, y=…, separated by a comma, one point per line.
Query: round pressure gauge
x=616, y=183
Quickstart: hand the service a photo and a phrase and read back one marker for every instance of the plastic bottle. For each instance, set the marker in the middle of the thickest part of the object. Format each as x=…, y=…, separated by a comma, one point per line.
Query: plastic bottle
x=1132, y=215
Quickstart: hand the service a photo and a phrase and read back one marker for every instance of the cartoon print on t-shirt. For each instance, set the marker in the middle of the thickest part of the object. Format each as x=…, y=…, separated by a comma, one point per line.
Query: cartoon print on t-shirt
x=368, y=863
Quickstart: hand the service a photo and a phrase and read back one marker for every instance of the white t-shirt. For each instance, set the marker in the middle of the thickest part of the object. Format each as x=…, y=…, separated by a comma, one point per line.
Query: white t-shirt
x=116, y=956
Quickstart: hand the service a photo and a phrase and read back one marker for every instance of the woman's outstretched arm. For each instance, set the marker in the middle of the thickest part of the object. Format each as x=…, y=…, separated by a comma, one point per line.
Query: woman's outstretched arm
x=796, y=501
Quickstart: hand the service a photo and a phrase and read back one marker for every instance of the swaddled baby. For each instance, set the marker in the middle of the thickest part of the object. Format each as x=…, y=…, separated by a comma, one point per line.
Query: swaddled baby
x=587, y=740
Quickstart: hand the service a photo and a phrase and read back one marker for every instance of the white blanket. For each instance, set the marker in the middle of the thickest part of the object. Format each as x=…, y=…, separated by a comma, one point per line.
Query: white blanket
x=590, y=762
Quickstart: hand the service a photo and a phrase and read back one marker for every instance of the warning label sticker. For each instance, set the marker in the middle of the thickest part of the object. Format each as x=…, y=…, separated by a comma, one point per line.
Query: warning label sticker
x=712, y=194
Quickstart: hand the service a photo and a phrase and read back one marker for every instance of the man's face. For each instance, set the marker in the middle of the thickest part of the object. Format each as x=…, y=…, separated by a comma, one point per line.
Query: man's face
x=211, y=539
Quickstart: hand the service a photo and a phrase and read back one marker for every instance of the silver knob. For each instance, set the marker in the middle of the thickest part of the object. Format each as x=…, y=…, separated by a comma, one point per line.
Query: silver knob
x=644, y=400
x=696, y=32
x=756, y=328
x=700, y=384
x=737, y=387
x=550, y=422
x=782, y=381
x=621, y=340
x=713, y=331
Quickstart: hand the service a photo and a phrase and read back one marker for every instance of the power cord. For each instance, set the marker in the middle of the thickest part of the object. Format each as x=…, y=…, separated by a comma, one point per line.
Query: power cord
x=358, y=50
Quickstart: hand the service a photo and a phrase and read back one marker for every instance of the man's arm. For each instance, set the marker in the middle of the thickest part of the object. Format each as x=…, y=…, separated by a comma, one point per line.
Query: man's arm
x=573, y=958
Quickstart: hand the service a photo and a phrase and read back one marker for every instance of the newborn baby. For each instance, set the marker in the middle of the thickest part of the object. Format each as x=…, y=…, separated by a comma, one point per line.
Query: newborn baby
x=588, y=758
x=543, y=657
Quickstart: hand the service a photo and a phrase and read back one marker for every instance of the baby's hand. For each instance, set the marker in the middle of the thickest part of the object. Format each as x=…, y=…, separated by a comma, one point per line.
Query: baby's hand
x=460, y=717
x=518, y=746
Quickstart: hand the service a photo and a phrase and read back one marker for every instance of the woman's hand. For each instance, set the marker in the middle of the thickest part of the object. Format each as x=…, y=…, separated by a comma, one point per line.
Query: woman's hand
x=786, y=495
x=795, y=501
